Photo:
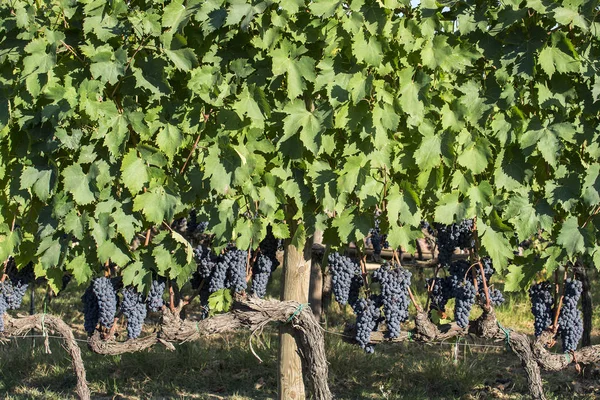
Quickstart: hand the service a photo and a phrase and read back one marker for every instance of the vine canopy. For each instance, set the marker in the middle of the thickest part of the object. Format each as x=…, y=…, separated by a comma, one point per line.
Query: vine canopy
x=118, y=116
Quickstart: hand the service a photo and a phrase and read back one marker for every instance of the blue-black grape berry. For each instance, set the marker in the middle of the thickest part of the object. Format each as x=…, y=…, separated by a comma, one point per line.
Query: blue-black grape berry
x=395, y=283
x=261, y=272
x=229, y=271
x=106, y=294
x=441, y=293
x=570, y=324
x=154, y=300
x=133, y=308
x=343, y=270
x=542, y=305
x=269, y=246
x=464, y=296
x=91, y=312
x=367, y=319
x=236, y=269
x=449, y=237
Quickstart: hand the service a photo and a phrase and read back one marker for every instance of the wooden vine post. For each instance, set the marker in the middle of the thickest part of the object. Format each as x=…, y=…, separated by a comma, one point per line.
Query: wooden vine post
x=316, y=275
x=295, y=286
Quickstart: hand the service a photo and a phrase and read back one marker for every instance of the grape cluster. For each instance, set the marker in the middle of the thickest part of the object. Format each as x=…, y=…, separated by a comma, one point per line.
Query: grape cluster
x=465, y=298
x=154, y=301
x=195, y=227
x=376, y=239
x=449, y=237
x=343, y=270
x=91, y=312
x=228, y=271
x=266, y=262
x=496, y=297
x=205, y=260
x=235, y=259
x=542, y=304
x=269, y=246
x=368, y=315
x=458, y=273
x=13, y=289
x=133, y=308
x=463, y=291
x=570, y=324
x=106, y=296
x=261, y=272
x=441, y=293
x=395, y=283
x=190, y=226
x=13, y=293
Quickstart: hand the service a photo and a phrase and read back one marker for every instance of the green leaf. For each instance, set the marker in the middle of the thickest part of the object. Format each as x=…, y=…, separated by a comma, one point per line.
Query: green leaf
x=189, y=250
x=220, y=301
x=552, y=59
x=134, y=173
x=107, y=64
x=157, y=205
x=571, y=238
x=80, y=269
x=367, y=51
x=496, y=245
x=475, y=157
x=135, y=274
x=404, y=236
x=169, y=140
x=298, y=117
x=78, y=184
x=428, y=155
x=40, y=181
x=183, y=59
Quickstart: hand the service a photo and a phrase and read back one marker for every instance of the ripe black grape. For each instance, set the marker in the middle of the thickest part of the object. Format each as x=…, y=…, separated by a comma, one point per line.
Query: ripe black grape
x=133, y=308
x=91, y=313
x=542, y=304
x=155, y=296
x=261, y=271
x=13, y=293
x=236, y=269
x=343, y=270
x=269, y=246
x=449, y=237
x=107, y=300
x=440, y=294
x=465, y=298
x=229, y=271
x=496, y=297
x=367, y=316
x=570, y=324
x=394, y=296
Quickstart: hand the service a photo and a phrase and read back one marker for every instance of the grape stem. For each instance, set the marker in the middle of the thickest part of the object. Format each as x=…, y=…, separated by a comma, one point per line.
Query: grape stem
x=430, y=287
x=171, y=297
x=191, y=152
x=364, y=273
x=559, y=306
x=147, y=242
x=485, y=286
x=410, y=293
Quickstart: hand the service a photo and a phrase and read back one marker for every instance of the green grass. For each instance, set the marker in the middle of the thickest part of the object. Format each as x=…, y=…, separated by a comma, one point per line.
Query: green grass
x=224, y=367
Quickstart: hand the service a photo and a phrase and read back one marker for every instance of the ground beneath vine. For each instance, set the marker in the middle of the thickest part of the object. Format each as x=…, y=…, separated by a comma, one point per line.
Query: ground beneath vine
x=225, y=368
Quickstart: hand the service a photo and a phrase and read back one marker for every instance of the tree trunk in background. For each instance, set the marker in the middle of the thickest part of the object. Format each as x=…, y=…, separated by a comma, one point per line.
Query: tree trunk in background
x=586, y=302
x=315, y=297
x=295, y=286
